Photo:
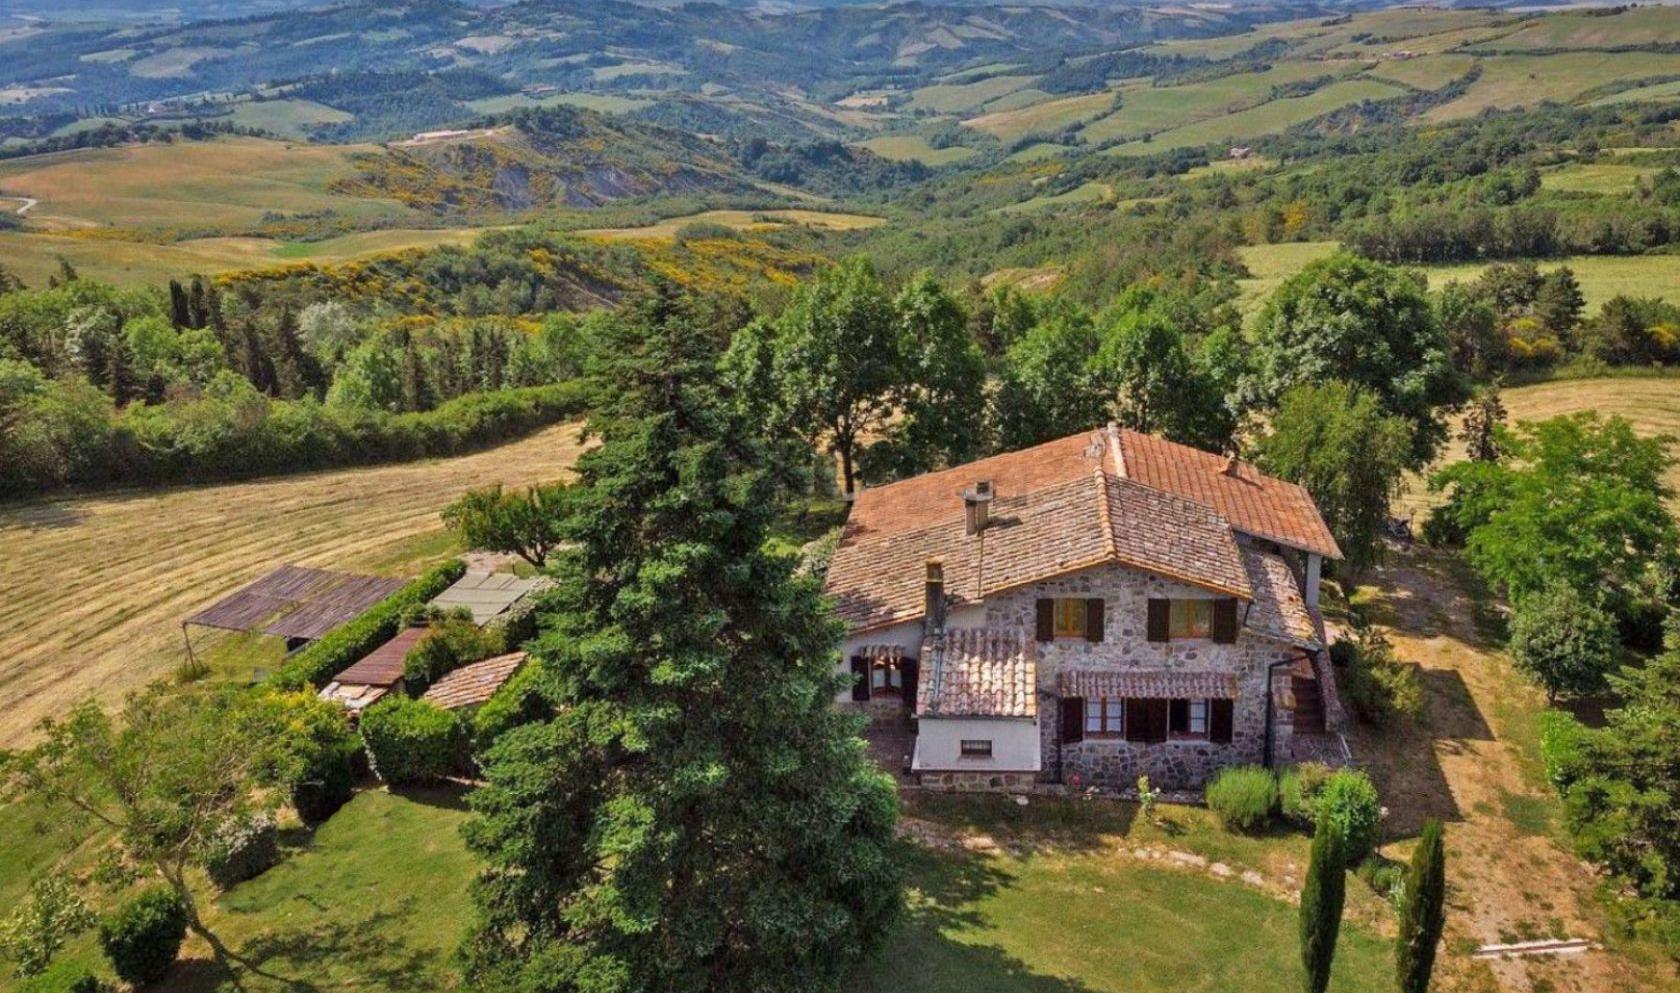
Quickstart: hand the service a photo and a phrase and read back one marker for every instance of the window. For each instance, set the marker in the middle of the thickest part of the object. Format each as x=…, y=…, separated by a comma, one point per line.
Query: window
x=1070, y=618
x=1188, y=719
x=1190, y=619
x=1105, y=716
x=977, y=748
x=884, y=675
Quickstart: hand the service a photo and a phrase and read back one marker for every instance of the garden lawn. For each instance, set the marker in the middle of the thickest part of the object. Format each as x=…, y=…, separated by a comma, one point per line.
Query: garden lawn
x=1068, y=912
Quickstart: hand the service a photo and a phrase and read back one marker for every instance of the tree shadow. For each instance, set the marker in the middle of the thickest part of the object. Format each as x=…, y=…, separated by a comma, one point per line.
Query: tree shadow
x=1450, y=711
x=1042, y=824
x=443, y=796
x=294, y=958
x=44, y=516
x=926, y=947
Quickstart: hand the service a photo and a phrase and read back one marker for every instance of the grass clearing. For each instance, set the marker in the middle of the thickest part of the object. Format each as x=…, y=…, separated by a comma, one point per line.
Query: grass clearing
x=228, y=182
x=96, y=588
x=287, y=117
x=958, y=98
x=915, y=147
x=1510, y=81
x=1425, y=72
x=1602, y=178
x=742, y=220
x=1086, y=193
x=1052, y=115
x=1267, y=118
x=1147, y=109
x=1569, y=29
x=1601, y=276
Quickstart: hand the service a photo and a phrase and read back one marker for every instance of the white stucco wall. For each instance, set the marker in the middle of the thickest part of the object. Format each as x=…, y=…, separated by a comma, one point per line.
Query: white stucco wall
x=1015, y=744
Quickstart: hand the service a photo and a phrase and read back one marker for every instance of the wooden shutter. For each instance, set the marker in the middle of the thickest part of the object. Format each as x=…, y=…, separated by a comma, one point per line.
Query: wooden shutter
x=1225, y=621
x=1220, y=718
x=1046, y=619
x=1160, y=617
x=907, y=675
x=860, y=678
x=1073, y=719
x=1157, y=720
x=1137, y=720
x=1094, y=619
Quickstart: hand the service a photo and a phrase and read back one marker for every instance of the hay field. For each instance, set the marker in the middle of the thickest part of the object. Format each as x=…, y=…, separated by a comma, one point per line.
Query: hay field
x=1510, y=81
x=1268, y=118
x=915, y=147
x=287, y=117
x=1426, y=72
x=1052, y=115
x=957, y=98
x=33, y=256
x=1652, y=25
x=1146, y=108
x=224, y=183
x=95, y=586
x=1601, y=276
x=742, y=220
x=1650, y=403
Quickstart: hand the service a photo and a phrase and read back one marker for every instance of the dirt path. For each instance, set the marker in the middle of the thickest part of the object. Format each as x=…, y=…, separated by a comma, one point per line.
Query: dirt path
x=95, y=586
x=1474, y=763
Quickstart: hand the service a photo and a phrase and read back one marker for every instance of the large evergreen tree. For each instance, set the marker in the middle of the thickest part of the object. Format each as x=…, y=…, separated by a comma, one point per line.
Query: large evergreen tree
x=1422, y=912
x=697, y=816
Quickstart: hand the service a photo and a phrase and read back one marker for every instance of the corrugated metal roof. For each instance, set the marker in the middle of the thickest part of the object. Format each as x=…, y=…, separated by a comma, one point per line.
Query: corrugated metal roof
x=487, y=594
x=295, y=602
x=384, y=665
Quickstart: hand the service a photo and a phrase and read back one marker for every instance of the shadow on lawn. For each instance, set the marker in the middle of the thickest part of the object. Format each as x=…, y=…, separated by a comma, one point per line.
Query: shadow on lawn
x=925, y=952
x=294, y=959
x=1061, y=824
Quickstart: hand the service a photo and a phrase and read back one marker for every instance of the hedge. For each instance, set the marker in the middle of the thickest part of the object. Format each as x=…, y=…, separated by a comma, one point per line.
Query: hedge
x=411, y=741
x=1244, y=797
x=318, y=662
x=1350, y=802
x=211, y=440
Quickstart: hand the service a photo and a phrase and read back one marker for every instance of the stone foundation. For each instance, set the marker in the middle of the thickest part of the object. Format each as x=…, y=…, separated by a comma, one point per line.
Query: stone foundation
x=977, y=782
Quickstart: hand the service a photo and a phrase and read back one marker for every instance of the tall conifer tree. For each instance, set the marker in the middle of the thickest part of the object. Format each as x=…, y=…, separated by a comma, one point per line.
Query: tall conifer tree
x=1422, y=912
x=697, y=816
x=1321, y=905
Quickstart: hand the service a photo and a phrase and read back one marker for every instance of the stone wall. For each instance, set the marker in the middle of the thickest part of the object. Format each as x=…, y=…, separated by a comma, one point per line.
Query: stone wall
x=977, y=782
x=1115, y=763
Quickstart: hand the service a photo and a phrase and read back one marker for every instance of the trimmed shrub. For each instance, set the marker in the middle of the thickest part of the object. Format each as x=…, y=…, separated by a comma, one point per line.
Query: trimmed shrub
x=326, y=785
x=1350, y=802
x=243, y=850
x=1563, y=641
x=1298, y=790
x=518, y=701
x=411, y=741
x=321, y=660
x=1244, y=797
x=1563, y=743
x=143, y=936
x=62, y=977
x=452, y=642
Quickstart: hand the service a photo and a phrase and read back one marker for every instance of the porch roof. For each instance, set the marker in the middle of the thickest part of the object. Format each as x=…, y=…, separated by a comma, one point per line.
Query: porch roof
x=978, y=672
x=1152, y=684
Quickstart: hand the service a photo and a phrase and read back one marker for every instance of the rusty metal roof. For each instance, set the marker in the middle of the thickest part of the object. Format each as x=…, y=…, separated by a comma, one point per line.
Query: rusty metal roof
x=384, y=665
x=295, y=602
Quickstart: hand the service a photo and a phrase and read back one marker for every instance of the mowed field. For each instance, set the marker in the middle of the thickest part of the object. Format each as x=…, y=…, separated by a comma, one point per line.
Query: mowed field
x=1601, y=276
x=915, y=147
x=95, y=586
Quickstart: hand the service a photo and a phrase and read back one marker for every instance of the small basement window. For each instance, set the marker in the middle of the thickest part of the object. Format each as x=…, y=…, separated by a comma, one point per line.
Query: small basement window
x=977, y=748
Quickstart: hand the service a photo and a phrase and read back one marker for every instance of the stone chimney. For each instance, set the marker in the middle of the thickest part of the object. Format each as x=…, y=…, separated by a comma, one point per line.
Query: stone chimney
x=1232, y=464
x=977, y=507
x=934, y=604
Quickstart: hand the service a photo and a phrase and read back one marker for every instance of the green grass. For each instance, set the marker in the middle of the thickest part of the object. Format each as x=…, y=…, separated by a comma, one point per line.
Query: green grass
x=1510, y=81
x=957, y=98
x=1085, y=193
x=915, y=147
x=1051, y=115
x=1601, y=276
x=606, y=103
x=1637, y=26
x=1654, y=92
x=1054, y=909
x=1426, y=72
x=1267, y=118
x=1602, y=178
x=1146, y=109
x=287, y=117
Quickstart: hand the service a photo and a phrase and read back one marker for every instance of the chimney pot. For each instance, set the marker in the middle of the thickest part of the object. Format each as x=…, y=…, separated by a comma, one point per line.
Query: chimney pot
x=1231, y=466
x=977, y=507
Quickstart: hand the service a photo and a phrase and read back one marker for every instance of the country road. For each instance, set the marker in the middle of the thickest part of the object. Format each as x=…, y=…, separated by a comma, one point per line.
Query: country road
x=26, y=204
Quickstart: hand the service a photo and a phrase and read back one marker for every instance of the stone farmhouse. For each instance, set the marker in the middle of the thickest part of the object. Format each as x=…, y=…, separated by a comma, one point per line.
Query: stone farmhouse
x=1086, y=611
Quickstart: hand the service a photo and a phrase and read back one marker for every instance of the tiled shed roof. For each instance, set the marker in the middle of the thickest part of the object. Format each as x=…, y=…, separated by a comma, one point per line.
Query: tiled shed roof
x=1252, y=501
x=474, y=684
x=981, y=672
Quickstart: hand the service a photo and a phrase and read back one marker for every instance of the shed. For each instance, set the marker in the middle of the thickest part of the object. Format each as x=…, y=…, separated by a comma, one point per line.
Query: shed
x=472, y=685
x=486, y=594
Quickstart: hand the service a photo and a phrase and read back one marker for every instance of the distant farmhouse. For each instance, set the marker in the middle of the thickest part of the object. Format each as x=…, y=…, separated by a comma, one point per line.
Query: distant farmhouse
x=1093, y=609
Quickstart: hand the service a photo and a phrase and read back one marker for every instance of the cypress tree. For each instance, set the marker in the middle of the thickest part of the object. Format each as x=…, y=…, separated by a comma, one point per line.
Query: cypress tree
x=1422, y=912
x=180, y=311
x=697, y=815
x=1321, y=905
x=416, y=395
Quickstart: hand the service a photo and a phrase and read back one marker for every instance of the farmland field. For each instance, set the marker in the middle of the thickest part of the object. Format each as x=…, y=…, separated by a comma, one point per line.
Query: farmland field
x=956, y=98
x=742, y=220
x=1146, y=108
x=1268, y=118
x=1509, y=81
x=287, y=117
x=901, y=147
x=1052, y=115
x=96, y=585
x=1601, y=276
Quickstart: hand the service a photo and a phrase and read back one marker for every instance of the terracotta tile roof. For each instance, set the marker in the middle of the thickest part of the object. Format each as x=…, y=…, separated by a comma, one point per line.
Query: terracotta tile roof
x=384, y=665
x=1152, y=684
x=1279, y=610
x=1058, y=508
x=1252, y=501
x=474, y=684
x=983, y=672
